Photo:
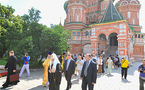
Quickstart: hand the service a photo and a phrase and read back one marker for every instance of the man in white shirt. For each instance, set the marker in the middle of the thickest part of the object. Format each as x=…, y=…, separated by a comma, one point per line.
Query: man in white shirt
x=79, y=67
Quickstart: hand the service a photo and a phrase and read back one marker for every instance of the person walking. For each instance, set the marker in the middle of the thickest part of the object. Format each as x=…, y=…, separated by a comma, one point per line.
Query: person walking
x=54, y=73
x=125, y=66
x=141, y=69
x=116, y=62
x=109, y=63
x=68, y=70
x=26, y=59
x=89, y=73
x=79, y=67
x=46, y=65
x=62, y=58
x=12, y=66
x=100, y=65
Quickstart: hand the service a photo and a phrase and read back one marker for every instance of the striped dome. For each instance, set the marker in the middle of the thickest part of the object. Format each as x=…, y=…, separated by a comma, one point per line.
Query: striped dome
x=66, y=5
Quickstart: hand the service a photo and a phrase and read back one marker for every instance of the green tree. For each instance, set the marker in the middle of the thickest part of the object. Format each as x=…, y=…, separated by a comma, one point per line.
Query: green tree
x=54, y=39
x=10, y=28
x=23, y=46
x=31, y=27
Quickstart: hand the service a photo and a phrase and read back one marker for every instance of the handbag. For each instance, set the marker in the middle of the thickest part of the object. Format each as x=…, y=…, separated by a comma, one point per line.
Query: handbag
x=14, y=77
x=112, y=67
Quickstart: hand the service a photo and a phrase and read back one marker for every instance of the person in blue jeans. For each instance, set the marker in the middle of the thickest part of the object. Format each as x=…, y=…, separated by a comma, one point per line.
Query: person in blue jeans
x=26, y=59
x=141, y=69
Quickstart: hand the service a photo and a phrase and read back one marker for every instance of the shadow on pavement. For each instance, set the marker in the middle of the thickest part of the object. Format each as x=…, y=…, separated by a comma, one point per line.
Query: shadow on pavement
x=8, y=88
x=40, y=87
x=75, y=82
x=125, y=81
x=109, y=75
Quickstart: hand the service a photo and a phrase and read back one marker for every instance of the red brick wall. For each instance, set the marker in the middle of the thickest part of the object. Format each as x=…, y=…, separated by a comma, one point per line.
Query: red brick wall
x=138, y=51
x=74, y=47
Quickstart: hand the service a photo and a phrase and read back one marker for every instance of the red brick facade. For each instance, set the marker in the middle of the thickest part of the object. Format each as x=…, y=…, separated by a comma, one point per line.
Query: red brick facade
x=92, y=29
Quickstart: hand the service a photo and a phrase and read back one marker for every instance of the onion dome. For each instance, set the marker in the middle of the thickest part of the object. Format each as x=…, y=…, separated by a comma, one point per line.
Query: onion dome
x=66, y=5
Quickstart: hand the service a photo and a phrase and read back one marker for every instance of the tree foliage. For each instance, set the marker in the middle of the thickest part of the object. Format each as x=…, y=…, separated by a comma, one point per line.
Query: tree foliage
x=24, y=34
x=10, y=28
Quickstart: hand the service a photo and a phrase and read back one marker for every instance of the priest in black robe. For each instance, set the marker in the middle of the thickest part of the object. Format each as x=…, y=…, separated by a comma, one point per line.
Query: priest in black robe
x=11, y=65
x=54, y=73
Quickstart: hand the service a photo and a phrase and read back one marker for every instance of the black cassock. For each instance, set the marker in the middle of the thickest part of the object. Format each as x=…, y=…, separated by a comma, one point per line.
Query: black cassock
x=11, y=65
x=55, y=78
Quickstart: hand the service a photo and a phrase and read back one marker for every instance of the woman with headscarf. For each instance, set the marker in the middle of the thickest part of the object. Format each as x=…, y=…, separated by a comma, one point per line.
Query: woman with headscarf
x=54, y=73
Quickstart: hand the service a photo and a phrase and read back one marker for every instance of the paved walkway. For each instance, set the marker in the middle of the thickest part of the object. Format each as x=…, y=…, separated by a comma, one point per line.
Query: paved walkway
x=104, y=82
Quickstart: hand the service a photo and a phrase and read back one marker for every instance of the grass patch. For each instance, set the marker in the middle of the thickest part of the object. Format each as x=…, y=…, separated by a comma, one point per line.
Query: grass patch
x=3, y=62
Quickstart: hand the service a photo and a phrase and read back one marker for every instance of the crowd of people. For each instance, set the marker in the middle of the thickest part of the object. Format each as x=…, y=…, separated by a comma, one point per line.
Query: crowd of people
x=85, y=66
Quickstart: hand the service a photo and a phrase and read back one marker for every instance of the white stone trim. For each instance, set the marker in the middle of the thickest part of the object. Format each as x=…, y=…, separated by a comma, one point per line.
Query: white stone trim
x=123, y=2
x=134, y=1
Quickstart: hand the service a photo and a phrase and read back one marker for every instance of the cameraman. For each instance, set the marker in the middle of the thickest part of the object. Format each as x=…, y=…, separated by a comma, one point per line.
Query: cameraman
x=141, y=69
x=26, y=59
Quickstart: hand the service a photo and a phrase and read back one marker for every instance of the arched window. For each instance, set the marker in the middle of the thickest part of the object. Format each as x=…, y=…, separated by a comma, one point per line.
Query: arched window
x=133, y=21
x=141, y=36
x=94, y=18
x=128, y=14
x=74, y=33
x=78, y=34
x=90, y=18
x=87, y=19
x=133, y=2
x=90, y=33
x=70, y=18
x=135, y=35
x=138, y=35
x=86, y=33
x=77, y=18
x=137, y=15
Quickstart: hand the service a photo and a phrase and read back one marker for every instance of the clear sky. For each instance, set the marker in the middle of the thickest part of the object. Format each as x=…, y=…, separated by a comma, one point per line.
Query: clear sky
x=52, y=10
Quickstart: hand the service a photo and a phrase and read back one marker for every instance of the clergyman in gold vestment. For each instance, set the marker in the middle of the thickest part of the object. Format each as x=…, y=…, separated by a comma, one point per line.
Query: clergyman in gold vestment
x=46, y=65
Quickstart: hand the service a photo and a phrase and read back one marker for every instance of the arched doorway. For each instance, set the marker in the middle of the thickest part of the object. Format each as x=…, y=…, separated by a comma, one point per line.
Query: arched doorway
x=87, y=48
x=113, y=39
x=102, y=43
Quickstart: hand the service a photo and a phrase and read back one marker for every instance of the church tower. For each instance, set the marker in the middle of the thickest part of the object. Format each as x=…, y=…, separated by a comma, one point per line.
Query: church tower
x=76, y=14
x=130, y=11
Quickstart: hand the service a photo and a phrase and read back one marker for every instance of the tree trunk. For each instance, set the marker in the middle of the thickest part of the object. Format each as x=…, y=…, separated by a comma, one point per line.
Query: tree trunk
x=40, y=60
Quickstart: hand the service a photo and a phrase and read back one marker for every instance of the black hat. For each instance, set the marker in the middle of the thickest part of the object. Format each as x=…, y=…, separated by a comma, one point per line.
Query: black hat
x=49, y=52
x=64, y=53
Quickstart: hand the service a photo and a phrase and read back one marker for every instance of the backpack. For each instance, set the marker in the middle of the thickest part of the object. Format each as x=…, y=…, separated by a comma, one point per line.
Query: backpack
x=116, y=59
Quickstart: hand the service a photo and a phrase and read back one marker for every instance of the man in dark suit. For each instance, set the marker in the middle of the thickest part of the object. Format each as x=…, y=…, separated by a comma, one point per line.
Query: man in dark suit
x=68, y=70
x=11, y=65
x=89, y=73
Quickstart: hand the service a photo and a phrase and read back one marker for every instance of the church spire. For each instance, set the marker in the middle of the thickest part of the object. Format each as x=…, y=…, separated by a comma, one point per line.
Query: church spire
x=111, y=13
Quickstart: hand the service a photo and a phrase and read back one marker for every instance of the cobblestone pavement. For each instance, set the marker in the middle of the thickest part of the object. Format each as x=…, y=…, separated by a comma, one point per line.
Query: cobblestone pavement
x=104, y=82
